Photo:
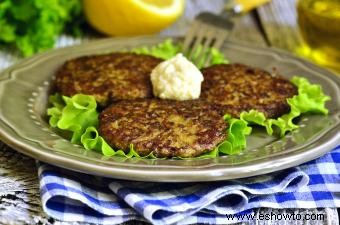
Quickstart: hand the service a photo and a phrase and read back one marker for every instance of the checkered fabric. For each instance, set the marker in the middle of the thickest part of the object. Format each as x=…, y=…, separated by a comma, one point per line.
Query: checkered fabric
x=72, y=196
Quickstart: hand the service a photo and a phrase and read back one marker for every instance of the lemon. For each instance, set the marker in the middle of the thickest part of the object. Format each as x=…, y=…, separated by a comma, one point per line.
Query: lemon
x=132, y=17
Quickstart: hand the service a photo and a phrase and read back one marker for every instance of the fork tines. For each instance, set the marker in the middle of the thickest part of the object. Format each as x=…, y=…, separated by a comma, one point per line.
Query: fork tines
x=207, y=31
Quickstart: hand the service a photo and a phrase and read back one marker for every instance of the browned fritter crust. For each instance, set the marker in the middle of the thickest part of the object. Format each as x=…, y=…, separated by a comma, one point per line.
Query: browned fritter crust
x=239, y=88
x=110, y=77
x=166, y=128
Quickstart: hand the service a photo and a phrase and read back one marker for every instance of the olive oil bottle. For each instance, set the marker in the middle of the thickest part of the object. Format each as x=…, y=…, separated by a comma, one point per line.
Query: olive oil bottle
x=319, y=23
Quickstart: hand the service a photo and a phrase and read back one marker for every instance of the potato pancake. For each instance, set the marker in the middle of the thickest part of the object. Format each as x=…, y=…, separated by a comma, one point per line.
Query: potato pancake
x=109, y=77
x=238, y=88
x=164, y=127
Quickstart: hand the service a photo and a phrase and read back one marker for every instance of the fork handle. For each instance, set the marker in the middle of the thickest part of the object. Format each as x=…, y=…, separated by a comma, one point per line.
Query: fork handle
x=244, y=6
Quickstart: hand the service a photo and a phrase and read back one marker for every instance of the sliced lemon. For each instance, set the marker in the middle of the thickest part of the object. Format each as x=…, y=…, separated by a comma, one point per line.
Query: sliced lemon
x=132, y=17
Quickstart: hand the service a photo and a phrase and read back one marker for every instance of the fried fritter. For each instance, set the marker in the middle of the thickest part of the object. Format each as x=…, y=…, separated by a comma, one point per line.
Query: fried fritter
x=239, y=88
x=166, y=128
x=110, y=77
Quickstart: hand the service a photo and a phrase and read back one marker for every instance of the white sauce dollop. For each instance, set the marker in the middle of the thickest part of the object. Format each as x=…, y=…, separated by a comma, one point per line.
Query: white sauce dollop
x=177, y=79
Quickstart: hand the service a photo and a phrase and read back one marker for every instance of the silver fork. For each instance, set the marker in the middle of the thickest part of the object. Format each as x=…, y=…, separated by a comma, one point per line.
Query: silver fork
x=207, y=31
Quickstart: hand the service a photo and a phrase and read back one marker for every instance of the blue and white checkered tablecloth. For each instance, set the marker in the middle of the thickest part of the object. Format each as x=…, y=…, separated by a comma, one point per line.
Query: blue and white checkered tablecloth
x=72, y=196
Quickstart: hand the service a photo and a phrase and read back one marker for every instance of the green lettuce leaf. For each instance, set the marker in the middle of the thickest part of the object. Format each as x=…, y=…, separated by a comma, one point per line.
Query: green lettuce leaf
x=79, y=116
x=209, y=155
x=73, y=114
x=163, y=50
x=91, y=140
x=236, y=136
x=310, y=99
x=168, y=49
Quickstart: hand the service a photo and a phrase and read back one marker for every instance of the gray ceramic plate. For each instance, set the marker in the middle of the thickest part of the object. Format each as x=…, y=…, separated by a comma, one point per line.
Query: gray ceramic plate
x=23, y=124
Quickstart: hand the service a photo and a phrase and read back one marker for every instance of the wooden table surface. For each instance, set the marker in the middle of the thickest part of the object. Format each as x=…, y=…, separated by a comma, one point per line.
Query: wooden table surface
x=271, y=25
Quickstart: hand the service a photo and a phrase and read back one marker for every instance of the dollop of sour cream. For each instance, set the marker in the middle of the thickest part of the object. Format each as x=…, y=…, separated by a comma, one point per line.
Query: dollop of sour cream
x=176, y=79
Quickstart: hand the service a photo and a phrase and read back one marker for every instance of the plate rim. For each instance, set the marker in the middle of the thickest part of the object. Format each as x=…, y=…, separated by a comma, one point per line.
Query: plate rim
x=208, y=174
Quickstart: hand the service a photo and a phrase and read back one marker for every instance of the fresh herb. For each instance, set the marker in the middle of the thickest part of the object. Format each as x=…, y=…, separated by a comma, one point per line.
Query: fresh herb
x=33, y=25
